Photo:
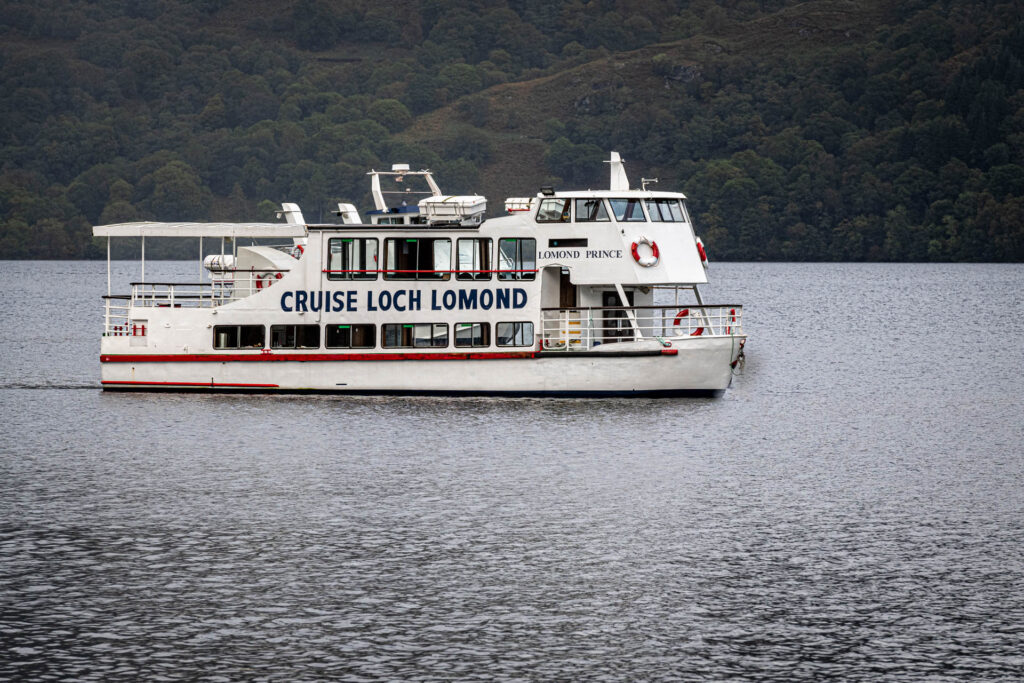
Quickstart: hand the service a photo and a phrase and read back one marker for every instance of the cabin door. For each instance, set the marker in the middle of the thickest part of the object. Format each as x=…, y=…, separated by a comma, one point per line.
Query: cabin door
x=566, y=291
x=616, y=323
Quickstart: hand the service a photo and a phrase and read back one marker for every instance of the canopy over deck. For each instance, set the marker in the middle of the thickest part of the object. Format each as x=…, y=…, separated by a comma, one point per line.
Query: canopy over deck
x=153, y=229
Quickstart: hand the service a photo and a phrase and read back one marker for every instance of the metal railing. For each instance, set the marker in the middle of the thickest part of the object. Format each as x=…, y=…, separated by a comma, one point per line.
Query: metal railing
x=229, y=285
x=581, y=329
x=115, y=316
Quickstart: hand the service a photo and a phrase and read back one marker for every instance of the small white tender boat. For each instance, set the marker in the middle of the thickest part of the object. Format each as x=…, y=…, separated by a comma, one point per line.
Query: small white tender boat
x=587, y=293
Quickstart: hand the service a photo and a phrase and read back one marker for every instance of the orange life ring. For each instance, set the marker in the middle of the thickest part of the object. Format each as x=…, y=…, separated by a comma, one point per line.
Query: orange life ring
x=645, y=261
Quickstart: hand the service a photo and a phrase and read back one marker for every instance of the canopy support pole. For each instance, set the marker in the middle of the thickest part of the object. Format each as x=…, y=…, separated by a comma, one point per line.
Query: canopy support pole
x=630, y=313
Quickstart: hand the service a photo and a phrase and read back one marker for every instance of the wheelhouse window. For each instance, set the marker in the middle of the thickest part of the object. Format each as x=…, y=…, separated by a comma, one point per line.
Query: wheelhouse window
x=295, y=336
x=239, y=336
x=418, y=258
x=590, y=210
x=472, y=334
x=350, y=336
x=352, y=258
x=514, y=334
x=665, y=210
x=474, y=259
x=517, y=258
x=553, y=210
x=415, y=335
x=627, y=210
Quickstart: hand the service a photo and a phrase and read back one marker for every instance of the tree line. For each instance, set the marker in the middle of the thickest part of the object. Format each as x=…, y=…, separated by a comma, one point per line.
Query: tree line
x=896, y=134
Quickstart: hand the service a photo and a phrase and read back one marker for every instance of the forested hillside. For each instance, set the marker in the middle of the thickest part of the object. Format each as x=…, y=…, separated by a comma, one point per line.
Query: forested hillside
x=831, y=130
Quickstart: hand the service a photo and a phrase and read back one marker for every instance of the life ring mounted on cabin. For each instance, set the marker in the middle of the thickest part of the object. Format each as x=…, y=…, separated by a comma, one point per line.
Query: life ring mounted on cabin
x=702, y=252
x=645, y=261
x=266, y=279
x=297, y=251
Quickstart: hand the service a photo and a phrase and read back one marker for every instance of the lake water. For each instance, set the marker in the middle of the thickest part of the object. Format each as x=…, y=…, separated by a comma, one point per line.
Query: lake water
x=853, y=507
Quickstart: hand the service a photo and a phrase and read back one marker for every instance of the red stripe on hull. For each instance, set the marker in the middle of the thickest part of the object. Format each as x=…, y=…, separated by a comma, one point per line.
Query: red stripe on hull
x=246, y=357
x=193, y=384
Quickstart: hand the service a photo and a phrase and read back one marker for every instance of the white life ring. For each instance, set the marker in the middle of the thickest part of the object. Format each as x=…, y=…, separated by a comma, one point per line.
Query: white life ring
x=297, y=251
x=645, y=261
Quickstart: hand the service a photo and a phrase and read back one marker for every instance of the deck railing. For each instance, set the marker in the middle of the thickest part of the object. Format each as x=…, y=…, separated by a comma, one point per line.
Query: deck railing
x=115, y=316
x=228, y=286
x=581, y=329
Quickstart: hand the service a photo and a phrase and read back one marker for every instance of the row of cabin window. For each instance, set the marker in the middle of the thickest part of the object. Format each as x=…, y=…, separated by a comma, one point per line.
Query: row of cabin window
x=393, y=336
x=430, y=258
x=557, y=210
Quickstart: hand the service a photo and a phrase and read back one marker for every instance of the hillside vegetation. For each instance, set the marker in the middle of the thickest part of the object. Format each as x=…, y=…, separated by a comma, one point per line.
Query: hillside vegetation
x=830, y=130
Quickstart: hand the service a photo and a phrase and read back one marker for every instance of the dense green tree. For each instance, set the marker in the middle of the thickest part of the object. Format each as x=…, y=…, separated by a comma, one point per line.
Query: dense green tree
x=886, y=131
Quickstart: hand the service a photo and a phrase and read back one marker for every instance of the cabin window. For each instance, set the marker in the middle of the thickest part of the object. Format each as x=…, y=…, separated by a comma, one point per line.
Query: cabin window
x=239, y=336
x=590, y=210
x=350, y=336
x=553, y=211
x=472, y=334
x=627, y=210
x=418, y=258
x=514, y=334
x=295, y=336
x=517, y=258
x=474, y=259
x=352, y=258
x=664, y=210
x=415, y=335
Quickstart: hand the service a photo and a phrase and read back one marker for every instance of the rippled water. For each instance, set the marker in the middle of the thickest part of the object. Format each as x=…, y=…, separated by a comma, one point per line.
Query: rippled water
x=853, y=506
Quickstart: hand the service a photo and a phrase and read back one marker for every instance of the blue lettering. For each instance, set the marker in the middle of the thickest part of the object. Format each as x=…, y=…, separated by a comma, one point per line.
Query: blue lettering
x=398, y=306
x=433, y=301
x=350, y=303
x=448, y=299
x=486, y=299
x=339, y=301
x=384, y=300
x=285, y=306
x=316, y=301
x=518, y=297
x=300, y=301
x=414, y=300
x=467, y=299
x=502, y=298
x=369, y=302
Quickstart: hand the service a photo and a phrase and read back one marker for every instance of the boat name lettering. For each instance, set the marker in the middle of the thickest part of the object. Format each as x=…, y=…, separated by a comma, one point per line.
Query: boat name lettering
x=404, y=300
x=580, y=253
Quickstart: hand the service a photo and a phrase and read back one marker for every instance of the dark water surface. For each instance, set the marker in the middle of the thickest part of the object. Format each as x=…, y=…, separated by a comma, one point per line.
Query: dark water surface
x=853, y=507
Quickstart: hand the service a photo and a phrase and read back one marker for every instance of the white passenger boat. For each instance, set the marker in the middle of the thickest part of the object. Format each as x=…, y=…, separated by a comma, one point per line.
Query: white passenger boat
x=571, y=293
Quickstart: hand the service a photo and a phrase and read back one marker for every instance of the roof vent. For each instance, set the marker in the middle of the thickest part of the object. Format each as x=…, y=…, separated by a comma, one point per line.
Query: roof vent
x=547, y=190
x=400, y=168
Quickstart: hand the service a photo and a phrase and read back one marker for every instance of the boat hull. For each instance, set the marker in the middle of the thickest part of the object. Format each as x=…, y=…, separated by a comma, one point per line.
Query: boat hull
x=691, y=367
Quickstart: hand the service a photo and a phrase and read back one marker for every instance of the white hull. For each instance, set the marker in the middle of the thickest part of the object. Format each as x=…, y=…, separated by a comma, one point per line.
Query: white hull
x=690, y=366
